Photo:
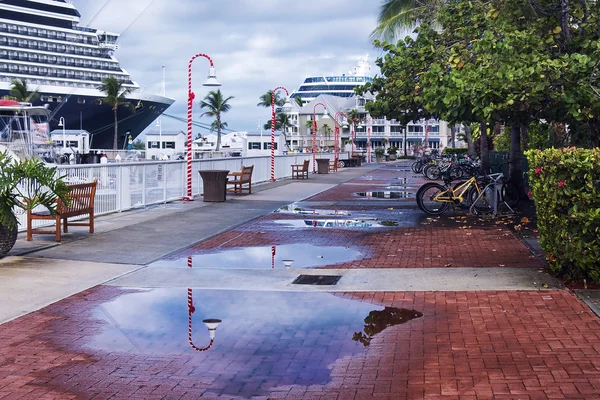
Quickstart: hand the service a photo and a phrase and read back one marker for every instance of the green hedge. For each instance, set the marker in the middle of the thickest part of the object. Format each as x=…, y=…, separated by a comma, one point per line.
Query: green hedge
x=566, y=190
x=450, y=151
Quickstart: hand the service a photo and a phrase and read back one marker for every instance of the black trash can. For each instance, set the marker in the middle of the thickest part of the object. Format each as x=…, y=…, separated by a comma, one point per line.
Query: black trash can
x=358, y=159
x=323, y=165
x=215, y=184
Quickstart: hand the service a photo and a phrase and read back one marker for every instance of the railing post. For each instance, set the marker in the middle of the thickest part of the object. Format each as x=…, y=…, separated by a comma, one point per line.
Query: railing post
x=144, y=185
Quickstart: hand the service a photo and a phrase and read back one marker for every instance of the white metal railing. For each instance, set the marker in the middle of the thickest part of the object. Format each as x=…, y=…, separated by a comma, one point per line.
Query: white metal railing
x=126, y=186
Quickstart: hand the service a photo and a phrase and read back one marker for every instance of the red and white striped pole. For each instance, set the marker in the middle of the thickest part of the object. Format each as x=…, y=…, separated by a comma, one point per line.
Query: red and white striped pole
x=336, y=148
x=273, y=120
x=369, y=125
x=314, y=136
x=191, y=97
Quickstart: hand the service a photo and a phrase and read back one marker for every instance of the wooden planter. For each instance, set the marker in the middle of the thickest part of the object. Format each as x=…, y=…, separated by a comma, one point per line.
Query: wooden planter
x=8, y=238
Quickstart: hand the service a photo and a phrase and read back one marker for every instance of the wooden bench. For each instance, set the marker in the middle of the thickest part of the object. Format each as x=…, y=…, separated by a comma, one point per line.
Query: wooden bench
x=81, y=198
x=244, y=177
x=300, y=170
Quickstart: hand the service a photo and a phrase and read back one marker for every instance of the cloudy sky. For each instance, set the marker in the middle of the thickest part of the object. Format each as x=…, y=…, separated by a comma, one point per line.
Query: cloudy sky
x=256, y=45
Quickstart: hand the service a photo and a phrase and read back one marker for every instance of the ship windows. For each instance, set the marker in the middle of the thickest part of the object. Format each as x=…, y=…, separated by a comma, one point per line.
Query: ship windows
x=12, y=29
x=52, y=47
x=78, y=62
x=79, y=74
x=87, y=51
x=43, y=58
x=78, y=50
x=3, y=41
x=33, y=70
x=70, y=74
x=51, y=35
x=13, y=55
x=23, y=56
x=87, y=63
x=61, y=60
x=33, y=44
x=52, y=59
x=3, y=54
x=3, y=67
x=43, y=46
x=96, y=76
x=69, y=61
x=22, y=43
x=23, y=69
x=22, y=30
x=32, y=31
x=61, y=36
x=71, y=49
x=3, y=27
x=42, y=33
x=13, y=68
x=12, y=42
x=52, y=72
x=43, y=71
x=61, y=48
x=61, y=73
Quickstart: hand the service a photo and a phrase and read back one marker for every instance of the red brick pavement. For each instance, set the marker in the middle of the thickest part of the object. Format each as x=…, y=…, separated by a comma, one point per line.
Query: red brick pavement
x=468, y=345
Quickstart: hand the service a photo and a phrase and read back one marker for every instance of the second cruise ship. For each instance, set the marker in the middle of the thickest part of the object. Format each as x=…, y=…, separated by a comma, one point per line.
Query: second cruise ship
x=339, y=85
x=41, y=43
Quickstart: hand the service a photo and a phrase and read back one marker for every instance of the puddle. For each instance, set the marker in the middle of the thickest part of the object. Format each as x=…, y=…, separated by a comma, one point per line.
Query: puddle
x=336, y=223
x=303, y=256
x=378, y=320
x=265, y=339
x=295, y=209
x=386, y=194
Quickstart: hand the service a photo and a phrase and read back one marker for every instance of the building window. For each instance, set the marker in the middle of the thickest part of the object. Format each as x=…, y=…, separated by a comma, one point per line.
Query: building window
x=253, y=145
x=378, y=129
x=415, y=129
x=168, y=145
x=153, y=145
x=396, y=129
x=267, y=146
x=434, y=129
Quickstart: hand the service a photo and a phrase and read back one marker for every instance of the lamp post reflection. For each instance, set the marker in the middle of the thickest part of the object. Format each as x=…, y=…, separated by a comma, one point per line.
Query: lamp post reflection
x=273, y=251
x=211, y=323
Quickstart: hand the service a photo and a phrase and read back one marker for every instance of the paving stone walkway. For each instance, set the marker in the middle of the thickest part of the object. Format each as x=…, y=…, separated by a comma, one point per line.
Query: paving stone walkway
x=112, y=342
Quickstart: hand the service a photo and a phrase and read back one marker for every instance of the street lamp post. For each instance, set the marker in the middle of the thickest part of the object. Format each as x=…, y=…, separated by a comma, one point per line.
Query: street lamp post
x=273, y=120
x=314, y=136
x=369, y=126
x=61, y=122
x=336, y=148
x=211, y=82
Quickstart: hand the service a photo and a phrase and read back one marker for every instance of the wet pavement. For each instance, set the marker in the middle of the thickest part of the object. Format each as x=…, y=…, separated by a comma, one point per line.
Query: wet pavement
x=448, y=307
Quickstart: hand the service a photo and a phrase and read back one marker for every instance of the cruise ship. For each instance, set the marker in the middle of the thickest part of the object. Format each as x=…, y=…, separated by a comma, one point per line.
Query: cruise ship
x=41, y=43
x=340, y=85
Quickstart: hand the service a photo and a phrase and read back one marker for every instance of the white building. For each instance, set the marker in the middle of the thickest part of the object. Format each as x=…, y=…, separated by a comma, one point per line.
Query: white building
x=163, y=146
x=383, y=132
x=259, y=144
x=77, y=141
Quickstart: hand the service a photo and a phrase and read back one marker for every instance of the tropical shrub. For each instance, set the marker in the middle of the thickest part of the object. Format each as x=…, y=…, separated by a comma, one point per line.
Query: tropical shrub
x=392, y=151
x=566, y=190
x=379, y=151
x=448, y=151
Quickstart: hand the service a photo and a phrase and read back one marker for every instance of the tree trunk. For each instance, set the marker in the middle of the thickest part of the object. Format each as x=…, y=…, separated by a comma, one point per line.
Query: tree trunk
x=524, y=138
x=515, y=169
x=485, y=154
x=115, y=147
x=470, y=148
x=453, y=135
x=404, y=143
x=219, y=133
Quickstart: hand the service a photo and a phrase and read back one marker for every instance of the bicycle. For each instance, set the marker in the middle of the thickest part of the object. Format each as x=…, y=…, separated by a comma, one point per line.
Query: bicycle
x=434, y=198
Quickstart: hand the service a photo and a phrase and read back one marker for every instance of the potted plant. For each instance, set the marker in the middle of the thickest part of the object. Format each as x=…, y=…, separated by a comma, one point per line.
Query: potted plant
x=392, y=151
x=25, y=184
x=379, y=153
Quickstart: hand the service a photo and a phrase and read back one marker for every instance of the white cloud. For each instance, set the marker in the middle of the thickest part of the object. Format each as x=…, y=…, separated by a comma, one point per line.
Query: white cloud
x=255, y=45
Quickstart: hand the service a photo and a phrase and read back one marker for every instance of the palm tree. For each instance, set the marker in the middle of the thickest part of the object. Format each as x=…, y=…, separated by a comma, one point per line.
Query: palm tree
x=397, y=16
x=116, y=95
x=266, y=99
x=20, y=92
x=299, y=101
x=216, y=104
x=213, y=126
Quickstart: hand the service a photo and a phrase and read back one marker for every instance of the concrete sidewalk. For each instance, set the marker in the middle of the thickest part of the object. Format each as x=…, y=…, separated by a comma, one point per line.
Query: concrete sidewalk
x=124, y=242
